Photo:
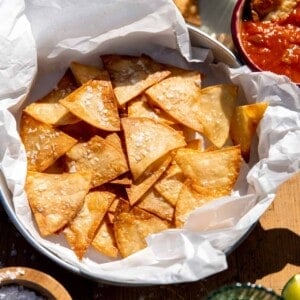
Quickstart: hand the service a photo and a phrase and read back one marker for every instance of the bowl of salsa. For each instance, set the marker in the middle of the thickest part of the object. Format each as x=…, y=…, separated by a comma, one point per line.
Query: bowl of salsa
x=266, y=34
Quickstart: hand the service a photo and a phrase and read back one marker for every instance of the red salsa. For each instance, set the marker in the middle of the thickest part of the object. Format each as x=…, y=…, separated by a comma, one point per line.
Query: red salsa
x=275, y=45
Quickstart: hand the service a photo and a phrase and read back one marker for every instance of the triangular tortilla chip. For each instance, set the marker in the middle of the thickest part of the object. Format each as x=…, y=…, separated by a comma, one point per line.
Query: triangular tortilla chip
x=132, y=226
x=94, y=102
x=169, y=185
x=48, y=110
x=189, y=199
x=216, y=108
x=139, y=107
x=156, y=204
x=99, y=157
x=55, y=199
x=81, y=230
x=140, y=186
x=216, y=170
x=130, y=76
x=105, y=241
x=147, y=141
x=244, y=123
x=43, y=143
x=83, y=73
x=179, y=96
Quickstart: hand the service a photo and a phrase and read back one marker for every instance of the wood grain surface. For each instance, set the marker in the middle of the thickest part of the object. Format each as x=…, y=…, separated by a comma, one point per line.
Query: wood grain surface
x=269, y=256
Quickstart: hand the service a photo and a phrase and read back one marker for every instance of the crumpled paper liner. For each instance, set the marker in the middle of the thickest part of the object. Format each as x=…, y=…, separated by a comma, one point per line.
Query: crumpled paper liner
x=41, y=38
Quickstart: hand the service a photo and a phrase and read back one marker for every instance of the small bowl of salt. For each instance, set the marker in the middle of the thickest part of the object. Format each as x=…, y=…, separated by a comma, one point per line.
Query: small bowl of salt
x=21, y=283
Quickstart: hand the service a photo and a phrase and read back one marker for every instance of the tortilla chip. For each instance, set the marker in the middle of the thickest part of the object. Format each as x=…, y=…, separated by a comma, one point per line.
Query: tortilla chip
x=216, y=108
x=189, y=199
x=48, y=110
x=43, y=143
x=216, y=170
x=130, y=75
x=113, y=206
x=139, y=107
x=189, y=10
x=99, y=157
x=51, y=113
x=81, y=230
x=132, y=226
x=83, y=73
x=55, y=199
x=105, y=241
x=110, y=217
x=140, y=186
x=154, y=203
x=179, y=95
x=122, y=180
x=244, y=124
x=195, y=144
x=94, y=102
x=147, y=141
x=169, y=185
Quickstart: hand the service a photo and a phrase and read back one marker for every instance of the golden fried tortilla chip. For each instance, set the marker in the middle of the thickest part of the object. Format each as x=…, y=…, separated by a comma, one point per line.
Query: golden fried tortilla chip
x=124, y=179
x=81, y=230
x=48, y=110
x=156, y=204
x=130, y=75
x=169, y=185
x=189, y=199
x=132, y=226
x=94, y=102
x=139, y=107
x=140, y=186
x=215, y=109
x=147, y=141
x=244, y=124
x=55, y=199
x=51, y=113
x=195, y=144
x=216, y=170
x=43, y=143
x=99, y=157
x=83, y=73
x=178, y=95
x=105, y=241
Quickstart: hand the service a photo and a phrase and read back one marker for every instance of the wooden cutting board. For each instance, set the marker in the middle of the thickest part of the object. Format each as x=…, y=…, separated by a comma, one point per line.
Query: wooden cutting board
x=281, y=224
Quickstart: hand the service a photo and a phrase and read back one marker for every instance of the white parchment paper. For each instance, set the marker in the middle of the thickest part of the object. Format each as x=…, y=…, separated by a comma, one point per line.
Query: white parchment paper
x=38, y=40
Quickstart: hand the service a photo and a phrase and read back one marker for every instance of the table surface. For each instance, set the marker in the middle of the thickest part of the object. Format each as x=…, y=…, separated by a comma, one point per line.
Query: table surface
x=270, y=255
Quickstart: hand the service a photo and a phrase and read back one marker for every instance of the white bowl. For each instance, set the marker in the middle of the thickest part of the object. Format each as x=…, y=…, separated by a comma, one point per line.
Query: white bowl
x=198, y=39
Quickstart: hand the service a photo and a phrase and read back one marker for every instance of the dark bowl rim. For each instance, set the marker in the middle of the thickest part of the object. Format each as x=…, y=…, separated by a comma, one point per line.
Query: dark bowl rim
x=236, y=19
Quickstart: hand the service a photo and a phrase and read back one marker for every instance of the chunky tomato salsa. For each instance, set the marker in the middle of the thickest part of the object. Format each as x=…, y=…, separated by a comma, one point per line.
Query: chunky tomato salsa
x=275, y=45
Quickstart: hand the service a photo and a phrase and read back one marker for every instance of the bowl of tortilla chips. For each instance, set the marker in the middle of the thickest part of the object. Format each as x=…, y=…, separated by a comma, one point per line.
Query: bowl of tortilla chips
x=134, y=161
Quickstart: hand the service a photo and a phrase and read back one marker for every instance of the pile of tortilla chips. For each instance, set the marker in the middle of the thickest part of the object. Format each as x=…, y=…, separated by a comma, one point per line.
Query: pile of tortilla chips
x=130, y=149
